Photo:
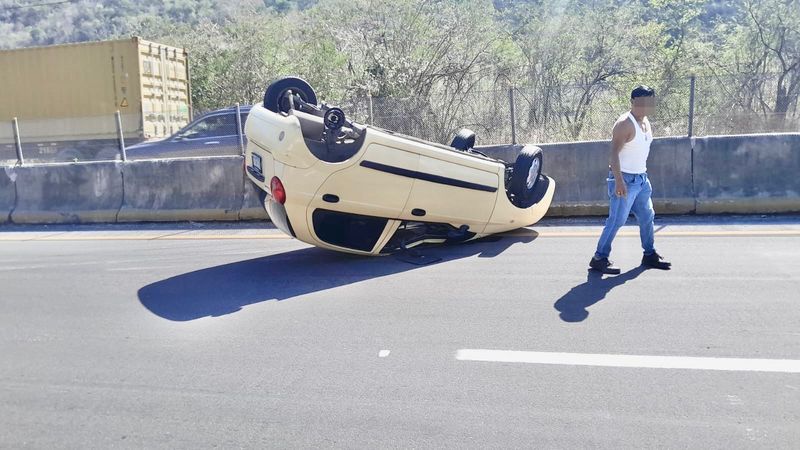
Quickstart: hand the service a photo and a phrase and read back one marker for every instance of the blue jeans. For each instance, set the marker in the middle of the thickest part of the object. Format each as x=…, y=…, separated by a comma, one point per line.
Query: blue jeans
x=637, y=202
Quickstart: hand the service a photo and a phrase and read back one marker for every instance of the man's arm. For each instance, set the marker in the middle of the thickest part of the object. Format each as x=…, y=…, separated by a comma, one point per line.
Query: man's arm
x=622, y=134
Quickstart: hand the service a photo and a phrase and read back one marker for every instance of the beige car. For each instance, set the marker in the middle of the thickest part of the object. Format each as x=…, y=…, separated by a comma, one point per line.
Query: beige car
x=360, y=189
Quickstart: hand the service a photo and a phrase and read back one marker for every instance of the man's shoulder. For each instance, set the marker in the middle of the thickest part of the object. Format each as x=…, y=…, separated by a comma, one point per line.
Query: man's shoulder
x=623, y=130
x=624, y=117
x=623, y=123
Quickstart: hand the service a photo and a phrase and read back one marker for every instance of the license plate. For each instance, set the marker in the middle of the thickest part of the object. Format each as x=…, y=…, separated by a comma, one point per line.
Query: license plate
x=257, y=162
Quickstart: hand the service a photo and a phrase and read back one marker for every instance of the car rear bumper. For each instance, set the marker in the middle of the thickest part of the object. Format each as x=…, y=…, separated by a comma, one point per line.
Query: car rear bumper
x=277, y=213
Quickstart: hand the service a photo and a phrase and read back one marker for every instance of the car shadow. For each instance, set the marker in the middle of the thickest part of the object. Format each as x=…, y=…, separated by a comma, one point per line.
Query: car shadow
x=573, y=305
x=225, y=289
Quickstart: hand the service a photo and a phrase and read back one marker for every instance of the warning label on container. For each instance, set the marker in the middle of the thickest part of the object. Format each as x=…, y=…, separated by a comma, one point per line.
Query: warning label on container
x=124, y=103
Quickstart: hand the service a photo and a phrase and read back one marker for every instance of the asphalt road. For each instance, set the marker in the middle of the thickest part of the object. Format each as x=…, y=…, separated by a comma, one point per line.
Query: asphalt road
x=223, y=336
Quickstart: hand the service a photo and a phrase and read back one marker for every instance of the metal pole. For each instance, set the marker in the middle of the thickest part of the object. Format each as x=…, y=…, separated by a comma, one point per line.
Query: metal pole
x=691, y=106
x=513, y=116
x=371, y=120
x=239, y=128
x=17, y=142
x=120, y=136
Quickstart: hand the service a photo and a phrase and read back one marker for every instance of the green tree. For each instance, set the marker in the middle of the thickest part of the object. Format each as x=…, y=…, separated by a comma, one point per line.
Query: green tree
x=757, y=64
x=431, y=53
x=229, y=62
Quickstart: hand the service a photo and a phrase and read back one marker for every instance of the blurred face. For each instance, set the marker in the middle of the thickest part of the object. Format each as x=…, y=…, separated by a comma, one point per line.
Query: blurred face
x=644, y=106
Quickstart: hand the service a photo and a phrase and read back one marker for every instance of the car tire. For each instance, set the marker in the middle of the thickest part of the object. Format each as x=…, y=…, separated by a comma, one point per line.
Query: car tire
x=526, y=174
x=464, y=140
x=275, y=98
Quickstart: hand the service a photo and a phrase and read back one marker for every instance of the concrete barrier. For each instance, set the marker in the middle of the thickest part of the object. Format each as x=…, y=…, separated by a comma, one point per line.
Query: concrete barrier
x=8, y=193
x=723, y=174
x=252, y=207
x=209, y=188
x=580, y=170
x=68, y=193
x=747, y=174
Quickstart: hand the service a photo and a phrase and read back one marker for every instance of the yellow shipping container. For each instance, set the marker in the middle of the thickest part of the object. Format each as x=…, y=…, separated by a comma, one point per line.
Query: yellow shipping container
x=71, y=92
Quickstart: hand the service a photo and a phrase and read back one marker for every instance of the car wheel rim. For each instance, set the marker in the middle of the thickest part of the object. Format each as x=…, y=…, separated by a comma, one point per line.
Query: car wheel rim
x=533, y=173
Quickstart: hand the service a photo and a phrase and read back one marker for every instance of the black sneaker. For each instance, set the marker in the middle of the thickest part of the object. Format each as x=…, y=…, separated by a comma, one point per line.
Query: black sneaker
x=604, y=265
x=656, y=261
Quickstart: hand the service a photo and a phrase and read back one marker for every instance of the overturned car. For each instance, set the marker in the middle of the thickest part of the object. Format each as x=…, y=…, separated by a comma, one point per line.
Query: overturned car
x=343, y=186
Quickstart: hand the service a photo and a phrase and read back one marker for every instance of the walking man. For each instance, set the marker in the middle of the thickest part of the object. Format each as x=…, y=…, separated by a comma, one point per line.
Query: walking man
x=629, y=188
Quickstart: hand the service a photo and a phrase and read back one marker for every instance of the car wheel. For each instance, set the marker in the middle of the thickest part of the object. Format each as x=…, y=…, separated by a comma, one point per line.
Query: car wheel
x=276, y=98
x=464, y=140
x=527, y=171
x=334, y=119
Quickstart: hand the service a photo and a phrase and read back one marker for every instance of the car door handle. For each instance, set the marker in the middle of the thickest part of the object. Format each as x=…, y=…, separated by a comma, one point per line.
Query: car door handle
x=212, y=142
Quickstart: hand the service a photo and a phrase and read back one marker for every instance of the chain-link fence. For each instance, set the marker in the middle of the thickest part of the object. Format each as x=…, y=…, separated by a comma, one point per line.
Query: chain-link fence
x=746, y=104
x=685, y=106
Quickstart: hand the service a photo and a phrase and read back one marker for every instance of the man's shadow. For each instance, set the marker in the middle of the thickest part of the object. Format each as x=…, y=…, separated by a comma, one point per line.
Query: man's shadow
x=220, y=290
x=573, y=305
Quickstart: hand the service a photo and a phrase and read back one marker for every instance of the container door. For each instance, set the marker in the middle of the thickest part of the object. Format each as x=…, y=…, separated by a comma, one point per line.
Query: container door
x=165, y=89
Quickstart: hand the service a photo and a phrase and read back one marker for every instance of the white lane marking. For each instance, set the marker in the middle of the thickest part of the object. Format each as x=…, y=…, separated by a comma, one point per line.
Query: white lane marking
x=133, y=269
x=633, y=361
x=734, y=400
x=19, y=236
x=383, y=353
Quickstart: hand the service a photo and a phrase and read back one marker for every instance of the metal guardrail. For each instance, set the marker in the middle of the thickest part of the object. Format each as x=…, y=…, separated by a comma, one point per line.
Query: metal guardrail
x=17, y=149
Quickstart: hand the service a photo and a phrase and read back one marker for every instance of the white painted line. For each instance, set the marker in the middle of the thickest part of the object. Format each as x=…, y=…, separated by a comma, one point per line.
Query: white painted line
x=383, y=353
x=206, y=235
x=735, y=400
x=133, y=269
x=633, y=361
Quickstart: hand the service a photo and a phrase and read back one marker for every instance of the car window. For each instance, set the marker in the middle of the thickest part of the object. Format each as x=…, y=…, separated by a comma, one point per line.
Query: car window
x=244, y=120
x=213, y=126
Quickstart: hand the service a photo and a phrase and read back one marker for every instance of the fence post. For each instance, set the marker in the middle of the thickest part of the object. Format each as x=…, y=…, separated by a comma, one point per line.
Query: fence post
x=17, y=141
x=120, y=136
x=239, y=128
x=513, y=116
x=691, y=105
x=371, y=120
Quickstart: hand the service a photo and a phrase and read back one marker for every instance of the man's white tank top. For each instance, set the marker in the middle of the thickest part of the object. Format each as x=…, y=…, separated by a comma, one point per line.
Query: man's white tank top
x=633, y=156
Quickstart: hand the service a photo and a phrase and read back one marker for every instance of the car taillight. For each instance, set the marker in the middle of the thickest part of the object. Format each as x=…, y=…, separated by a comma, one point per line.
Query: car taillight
x=278, y=193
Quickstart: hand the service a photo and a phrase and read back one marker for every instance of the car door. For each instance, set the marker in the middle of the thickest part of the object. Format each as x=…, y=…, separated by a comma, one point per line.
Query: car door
x=455, y=190
x=213, y=135
x=360, y=188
